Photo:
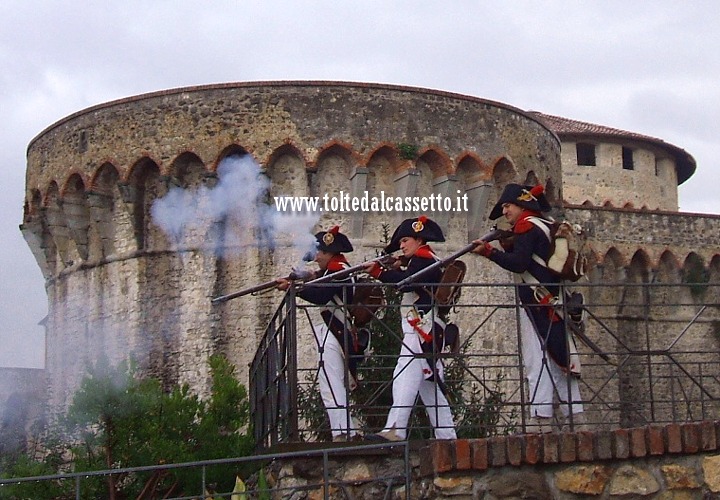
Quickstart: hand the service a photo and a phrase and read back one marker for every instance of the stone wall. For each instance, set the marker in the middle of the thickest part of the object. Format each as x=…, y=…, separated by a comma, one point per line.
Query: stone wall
x=655, y=234
x=651, y=184
x=654, y=462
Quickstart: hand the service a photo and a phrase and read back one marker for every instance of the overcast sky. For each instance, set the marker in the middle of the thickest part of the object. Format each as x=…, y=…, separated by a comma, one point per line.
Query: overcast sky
x=647, y=67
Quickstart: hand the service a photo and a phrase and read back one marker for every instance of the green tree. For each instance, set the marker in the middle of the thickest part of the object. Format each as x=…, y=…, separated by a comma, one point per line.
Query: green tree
x=118, y=420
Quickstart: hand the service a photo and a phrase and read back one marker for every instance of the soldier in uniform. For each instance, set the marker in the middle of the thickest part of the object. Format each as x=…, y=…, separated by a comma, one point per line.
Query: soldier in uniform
x=337, y=341
x=421, y=330
x=547, y=350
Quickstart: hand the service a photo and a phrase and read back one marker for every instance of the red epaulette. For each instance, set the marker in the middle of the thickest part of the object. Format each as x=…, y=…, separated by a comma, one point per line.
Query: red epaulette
x=337, y=263
x=523, y=225
x=424, y=252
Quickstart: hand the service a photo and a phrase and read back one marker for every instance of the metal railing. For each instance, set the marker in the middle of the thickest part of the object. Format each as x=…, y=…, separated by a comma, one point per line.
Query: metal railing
x=76, y=484
x=662, y=344
x=660, y=363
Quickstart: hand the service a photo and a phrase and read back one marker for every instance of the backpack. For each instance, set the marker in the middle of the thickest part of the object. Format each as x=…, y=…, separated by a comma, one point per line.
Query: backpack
x=366, y=301
x=447, y=296
x=567, y=258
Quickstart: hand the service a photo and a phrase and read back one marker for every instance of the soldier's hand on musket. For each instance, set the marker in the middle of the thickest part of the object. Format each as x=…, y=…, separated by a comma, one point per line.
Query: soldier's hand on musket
x=482, y=248
x=398, y=262
x=375, y=267
x=302, y=274
x=283, y=283
x=392, y=262
x=370, y=267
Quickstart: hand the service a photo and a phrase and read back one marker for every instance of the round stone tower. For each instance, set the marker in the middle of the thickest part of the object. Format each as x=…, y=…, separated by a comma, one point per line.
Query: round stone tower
x=118, y=285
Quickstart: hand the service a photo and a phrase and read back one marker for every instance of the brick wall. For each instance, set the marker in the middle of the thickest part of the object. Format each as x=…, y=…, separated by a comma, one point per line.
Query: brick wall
x=671, y=460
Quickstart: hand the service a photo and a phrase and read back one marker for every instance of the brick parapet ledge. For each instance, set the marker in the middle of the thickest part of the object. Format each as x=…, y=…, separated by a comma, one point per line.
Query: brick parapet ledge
x=668, y=462
x=463, y=455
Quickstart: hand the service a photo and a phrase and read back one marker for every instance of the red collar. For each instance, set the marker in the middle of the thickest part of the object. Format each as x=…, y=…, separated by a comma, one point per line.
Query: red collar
x=523, y=225
x=424, y=252
x=337, y=262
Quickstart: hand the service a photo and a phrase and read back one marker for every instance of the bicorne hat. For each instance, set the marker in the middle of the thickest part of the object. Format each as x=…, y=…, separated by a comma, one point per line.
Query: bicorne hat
x=527, y=197
x=418, y=227
x=333, y=241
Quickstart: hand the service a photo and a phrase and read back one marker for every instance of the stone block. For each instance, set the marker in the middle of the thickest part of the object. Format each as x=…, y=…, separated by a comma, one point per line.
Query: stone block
x=533, y=448
x=656, y=440
x=515, y=449
x=441, y=455
x=708, y=436
x=585, y=446
x=604, y=445
x=674, y=438
x=690, y=437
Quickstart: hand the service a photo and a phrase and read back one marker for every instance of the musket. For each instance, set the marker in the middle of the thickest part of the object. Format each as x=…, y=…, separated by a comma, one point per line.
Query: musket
x=574, y=306
x=491, y=235
x=579, y=332
x=345, y=273
x=293, y=276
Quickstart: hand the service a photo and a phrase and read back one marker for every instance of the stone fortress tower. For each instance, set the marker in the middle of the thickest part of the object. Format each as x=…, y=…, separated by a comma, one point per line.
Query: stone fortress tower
x=118, y=285
x=603, y=166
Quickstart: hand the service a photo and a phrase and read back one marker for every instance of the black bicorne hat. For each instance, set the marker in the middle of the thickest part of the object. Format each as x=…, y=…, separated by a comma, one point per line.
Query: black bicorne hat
x=527, y=197
x=333, y=241
x=418, y=227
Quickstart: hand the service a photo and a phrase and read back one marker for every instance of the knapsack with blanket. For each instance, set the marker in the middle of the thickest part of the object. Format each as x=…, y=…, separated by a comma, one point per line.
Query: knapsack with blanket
x=567, y=259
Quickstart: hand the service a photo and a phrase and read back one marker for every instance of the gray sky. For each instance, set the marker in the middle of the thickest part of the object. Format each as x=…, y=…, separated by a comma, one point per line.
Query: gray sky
x=648, y=67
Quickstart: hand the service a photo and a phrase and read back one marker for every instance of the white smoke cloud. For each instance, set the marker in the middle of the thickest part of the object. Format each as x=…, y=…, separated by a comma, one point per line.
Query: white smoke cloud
x=233, y=215
x=174, y=212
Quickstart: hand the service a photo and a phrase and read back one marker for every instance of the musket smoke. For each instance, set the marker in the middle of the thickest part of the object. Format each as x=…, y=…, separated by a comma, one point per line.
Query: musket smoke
x=233, y=215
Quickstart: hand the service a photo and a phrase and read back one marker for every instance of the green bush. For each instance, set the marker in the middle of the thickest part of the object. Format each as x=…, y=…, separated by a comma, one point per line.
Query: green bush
x=118, y=420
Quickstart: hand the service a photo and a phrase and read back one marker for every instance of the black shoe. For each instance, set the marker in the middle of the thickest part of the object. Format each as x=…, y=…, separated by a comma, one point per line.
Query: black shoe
x=452, y=337
x=574, y=305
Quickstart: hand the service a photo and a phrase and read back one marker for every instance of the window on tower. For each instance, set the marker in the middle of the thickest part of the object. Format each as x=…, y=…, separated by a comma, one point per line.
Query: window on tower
x=585, y=154
x=627, y=159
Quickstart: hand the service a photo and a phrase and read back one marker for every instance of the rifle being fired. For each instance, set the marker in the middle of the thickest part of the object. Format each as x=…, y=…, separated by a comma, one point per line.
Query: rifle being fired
x=385, y=259
x=493, y=234
x=293, y=276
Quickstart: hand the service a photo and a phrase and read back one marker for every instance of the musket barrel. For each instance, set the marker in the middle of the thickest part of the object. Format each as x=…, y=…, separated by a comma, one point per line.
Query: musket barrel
x=245, y=291
x=438, y=263
x=489, y=236
x=344, y=273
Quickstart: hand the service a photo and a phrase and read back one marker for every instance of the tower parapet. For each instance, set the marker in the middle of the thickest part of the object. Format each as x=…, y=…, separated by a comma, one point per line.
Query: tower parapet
x=604, y=166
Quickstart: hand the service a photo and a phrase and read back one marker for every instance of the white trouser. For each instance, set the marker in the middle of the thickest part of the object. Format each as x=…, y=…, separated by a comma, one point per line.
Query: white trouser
x=331, y=379
x=409, y=380
x=545, y=378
